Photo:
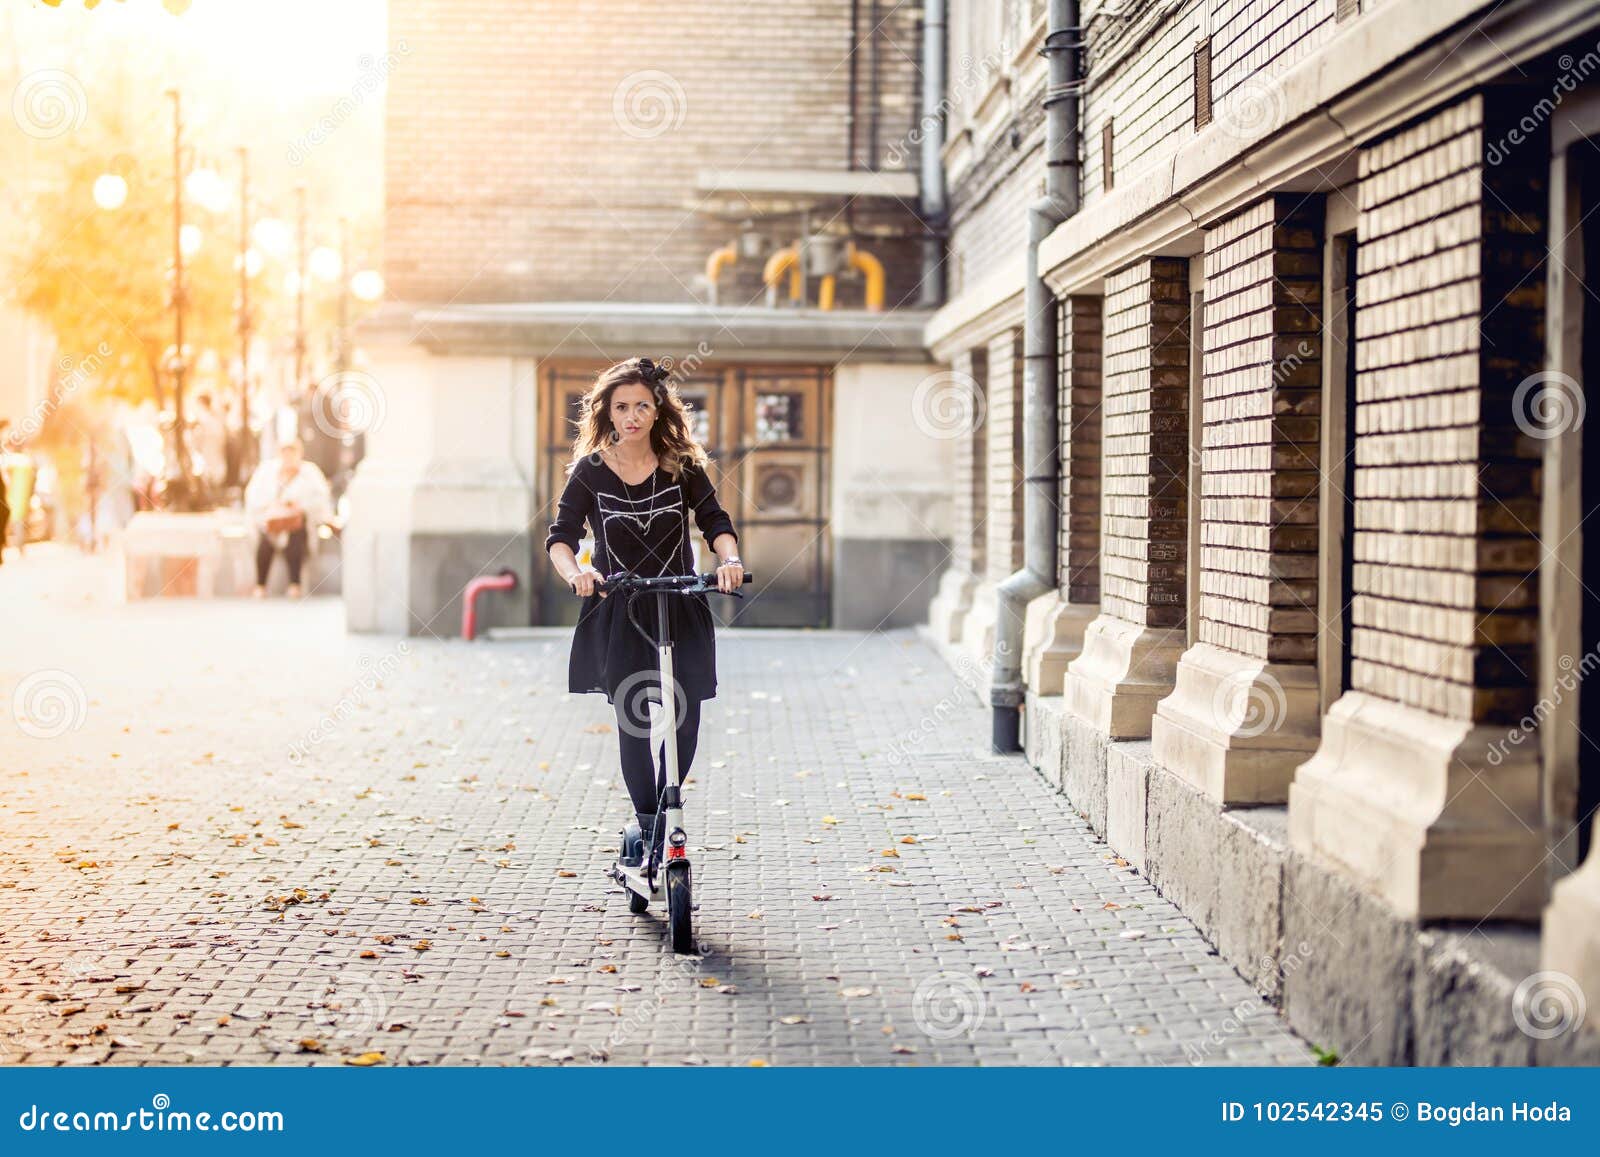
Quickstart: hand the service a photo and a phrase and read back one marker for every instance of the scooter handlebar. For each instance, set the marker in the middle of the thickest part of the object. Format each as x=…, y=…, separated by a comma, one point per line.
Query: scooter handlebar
x=688, y=583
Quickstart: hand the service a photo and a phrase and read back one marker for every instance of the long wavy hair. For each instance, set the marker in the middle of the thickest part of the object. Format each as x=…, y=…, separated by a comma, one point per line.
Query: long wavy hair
x=670, y=437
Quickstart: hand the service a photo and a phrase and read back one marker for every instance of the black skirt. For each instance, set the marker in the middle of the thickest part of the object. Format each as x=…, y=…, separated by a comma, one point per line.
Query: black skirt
x=611, y=657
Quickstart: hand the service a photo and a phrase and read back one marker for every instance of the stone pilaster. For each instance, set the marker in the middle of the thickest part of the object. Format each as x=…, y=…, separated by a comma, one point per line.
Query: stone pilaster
x=948, y=613
x=1570, y=943
x=1057, y=620
x=1131, y=649
x=1415, y=792
x=1001, y=510
x=1245, y=712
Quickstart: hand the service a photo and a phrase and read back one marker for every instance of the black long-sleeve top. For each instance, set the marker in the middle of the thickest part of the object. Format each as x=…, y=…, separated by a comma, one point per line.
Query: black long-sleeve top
x=640, y=528
x=643, y=529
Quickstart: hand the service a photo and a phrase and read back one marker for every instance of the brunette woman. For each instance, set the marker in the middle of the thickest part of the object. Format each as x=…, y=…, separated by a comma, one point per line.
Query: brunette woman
x=636, y=476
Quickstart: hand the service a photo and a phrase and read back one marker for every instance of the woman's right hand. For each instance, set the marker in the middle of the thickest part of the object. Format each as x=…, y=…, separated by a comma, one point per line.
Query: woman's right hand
x=583, y=583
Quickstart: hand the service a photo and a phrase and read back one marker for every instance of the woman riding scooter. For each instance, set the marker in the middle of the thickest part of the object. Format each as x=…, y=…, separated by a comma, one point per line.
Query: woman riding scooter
x=635, y=475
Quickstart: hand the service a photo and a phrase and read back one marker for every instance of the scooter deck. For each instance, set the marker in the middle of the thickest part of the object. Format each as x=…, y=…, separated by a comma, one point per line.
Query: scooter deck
x=635, y=880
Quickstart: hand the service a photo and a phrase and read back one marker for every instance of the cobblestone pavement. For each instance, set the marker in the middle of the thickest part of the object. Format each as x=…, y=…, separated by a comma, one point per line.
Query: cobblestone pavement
x=230, y=833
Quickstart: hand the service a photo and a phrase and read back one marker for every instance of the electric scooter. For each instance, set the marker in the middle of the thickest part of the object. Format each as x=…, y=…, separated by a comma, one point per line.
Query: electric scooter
x=646, y=873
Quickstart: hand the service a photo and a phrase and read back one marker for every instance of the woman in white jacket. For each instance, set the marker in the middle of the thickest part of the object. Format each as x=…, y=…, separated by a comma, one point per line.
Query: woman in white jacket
x=286, y=501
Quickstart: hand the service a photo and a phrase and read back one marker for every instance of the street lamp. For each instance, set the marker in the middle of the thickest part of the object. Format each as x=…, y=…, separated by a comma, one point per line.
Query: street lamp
x=179, y=293
x=239, y=461
x=325, y=263
x=110, y=191
x=367, y=285
x=206, y=188
x=300, y=290
x=272, y=236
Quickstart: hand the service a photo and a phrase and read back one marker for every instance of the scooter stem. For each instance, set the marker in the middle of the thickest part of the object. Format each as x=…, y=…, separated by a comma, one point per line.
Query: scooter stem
x=673, y=811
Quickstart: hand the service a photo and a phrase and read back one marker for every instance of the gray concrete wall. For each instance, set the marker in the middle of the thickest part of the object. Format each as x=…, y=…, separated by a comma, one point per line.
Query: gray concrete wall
x=883, y=583
x=443, y=564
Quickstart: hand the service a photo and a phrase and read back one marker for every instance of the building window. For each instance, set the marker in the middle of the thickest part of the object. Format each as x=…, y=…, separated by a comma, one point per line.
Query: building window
x=1202, y=83
x=1107, y=173
x=778, y=418
x=699, y=417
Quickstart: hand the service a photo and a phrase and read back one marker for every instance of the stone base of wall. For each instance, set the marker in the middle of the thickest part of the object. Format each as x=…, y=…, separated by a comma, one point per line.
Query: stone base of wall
x=1052, y=637
x=977, y=629
x=1351, y=975
x=947, y=613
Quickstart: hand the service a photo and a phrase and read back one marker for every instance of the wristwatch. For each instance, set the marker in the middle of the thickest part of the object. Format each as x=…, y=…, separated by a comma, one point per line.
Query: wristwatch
x=731, y=561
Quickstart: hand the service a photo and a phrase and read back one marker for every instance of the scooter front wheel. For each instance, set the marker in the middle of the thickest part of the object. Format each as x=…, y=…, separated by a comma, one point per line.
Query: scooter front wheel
x=680, y=918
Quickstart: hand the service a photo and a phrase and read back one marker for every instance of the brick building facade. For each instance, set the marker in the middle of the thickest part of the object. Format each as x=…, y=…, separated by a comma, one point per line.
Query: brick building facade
x=1320, y=311
x=1313, y=658
x=732, y=186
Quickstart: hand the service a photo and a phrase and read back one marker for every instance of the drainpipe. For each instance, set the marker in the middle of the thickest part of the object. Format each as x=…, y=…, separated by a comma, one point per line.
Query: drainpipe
x=932, y=166
x=874, y=93
x=1041, y=447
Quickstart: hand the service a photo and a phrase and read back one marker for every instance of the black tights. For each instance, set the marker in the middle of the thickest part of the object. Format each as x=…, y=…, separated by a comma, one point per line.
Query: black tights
x=294, y=553
x=645, y=777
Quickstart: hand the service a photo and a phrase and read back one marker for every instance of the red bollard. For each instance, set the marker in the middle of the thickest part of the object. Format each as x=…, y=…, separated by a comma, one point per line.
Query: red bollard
x=506, y=580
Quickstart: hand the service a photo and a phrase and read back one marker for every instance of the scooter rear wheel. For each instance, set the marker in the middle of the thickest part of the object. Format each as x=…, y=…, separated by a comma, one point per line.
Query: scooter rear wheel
x=633, y=852
x=680, y=917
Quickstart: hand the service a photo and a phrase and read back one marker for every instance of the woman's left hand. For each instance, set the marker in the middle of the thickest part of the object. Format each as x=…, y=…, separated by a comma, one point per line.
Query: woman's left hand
x=730, y=576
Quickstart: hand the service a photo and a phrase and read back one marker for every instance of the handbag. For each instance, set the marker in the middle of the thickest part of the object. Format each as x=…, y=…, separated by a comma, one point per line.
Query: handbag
x=281, y=519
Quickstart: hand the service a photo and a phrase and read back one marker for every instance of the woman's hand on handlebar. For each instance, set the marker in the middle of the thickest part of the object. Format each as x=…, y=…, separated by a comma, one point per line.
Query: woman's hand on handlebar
x=583, y=583
x=730, y=576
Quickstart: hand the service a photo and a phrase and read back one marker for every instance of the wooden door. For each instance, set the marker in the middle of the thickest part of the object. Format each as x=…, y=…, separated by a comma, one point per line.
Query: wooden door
x=776, y=488
x=767, y=432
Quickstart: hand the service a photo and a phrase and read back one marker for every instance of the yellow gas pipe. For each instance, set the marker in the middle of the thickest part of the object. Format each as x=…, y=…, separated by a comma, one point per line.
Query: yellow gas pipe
x=788, y=259
x=719, y=260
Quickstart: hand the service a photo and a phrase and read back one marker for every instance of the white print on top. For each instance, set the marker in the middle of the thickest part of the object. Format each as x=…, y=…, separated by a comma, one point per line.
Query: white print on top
x=659, y=508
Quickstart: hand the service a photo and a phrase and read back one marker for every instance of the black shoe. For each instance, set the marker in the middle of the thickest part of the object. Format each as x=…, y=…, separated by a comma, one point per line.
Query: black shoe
x=631, y=854
x=650, y=836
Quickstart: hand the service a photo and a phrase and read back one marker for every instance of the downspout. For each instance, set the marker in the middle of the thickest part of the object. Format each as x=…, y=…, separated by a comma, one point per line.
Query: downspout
x=850, y=112
x=874, y=92
x=1041, y=447
x=932, y=166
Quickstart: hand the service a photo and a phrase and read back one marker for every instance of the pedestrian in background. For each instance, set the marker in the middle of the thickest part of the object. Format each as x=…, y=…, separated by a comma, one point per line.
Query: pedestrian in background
x=5, y=508
x=286, y=500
